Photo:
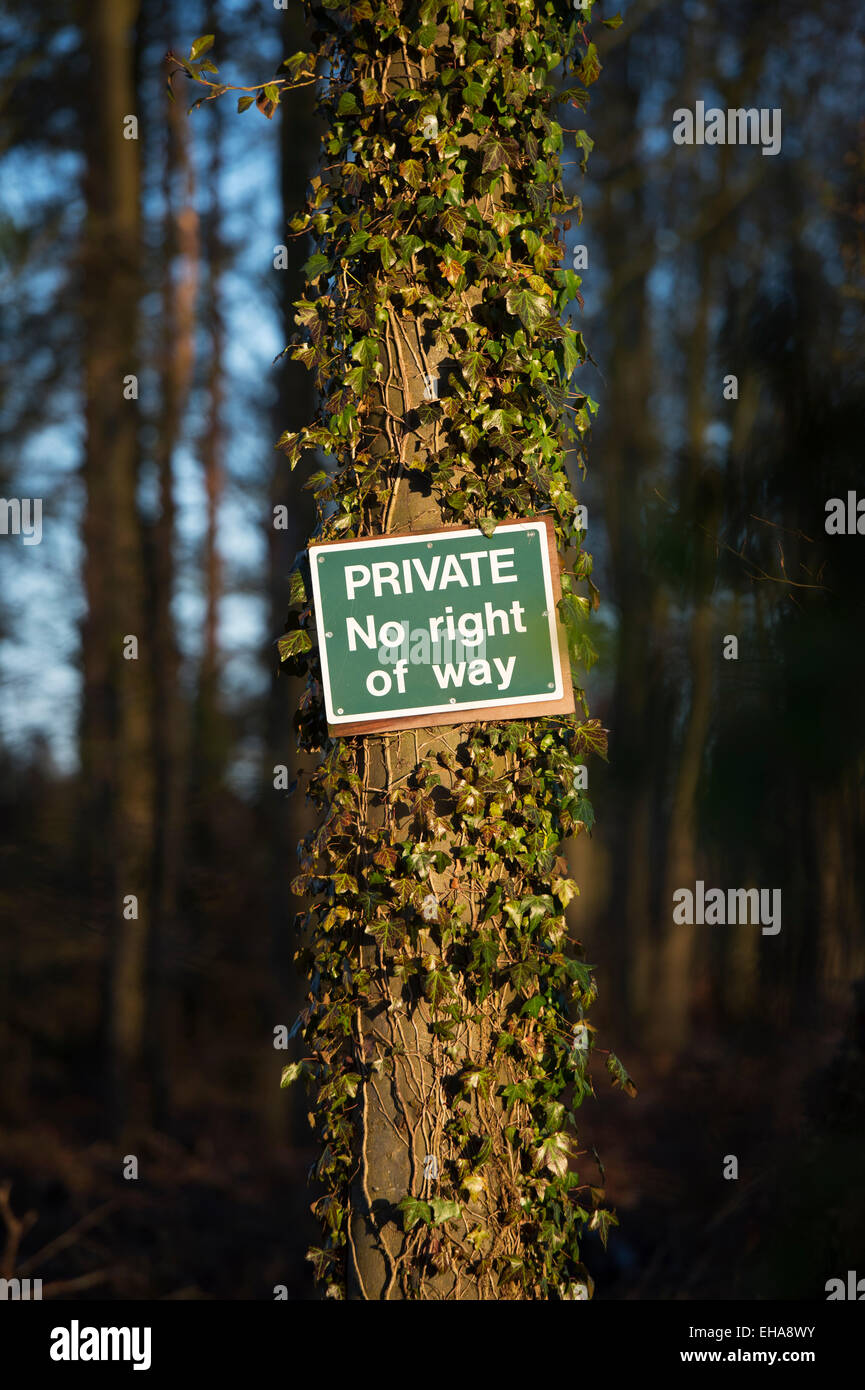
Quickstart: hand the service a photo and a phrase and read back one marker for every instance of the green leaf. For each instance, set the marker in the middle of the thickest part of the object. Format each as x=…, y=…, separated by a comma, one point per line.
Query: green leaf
x=590, y=68
x=553, y=1153
x=296, y=62
x=531, y=309
x=293, y=643
x=452, y=222
x=412, y=171
x=414, y=1211
x=244, y=103
x=601, y=1222
x=316, y=266
x=620, y=1076
x=201, y=46
x=290, y=1074
x=296, y=588
x=494, y=903
x=435, y=987
x=495, y=156
x=444, y=1210
x=356, y=242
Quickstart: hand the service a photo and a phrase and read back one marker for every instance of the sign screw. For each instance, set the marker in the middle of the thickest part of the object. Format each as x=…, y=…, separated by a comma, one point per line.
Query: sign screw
x=550, y=685
x=330, y=634
x=453, y=701
x=543, y=615
x=321, y=559
x=339, y=711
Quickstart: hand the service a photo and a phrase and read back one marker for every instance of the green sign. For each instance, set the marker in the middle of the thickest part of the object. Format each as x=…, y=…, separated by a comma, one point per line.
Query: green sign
x=417, y=629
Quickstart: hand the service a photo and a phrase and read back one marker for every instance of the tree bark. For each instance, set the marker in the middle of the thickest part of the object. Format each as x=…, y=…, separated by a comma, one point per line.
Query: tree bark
x=403, y=1111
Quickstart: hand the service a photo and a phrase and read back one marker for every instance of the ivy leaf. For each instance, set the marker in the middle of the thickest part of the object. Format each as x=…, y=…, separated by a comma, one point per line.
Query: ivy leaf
x=290, y=1074
x=297, y=588
x=296, y=62
x=435, y=987
x=357, y=241
x=444, y=1210
x=531, y=309
x=293, y=643
x=316, y=266
x=494, y=903
x=387, y=933
x=620, y=1076
x=473, y=368
x=424, y=37
x=495, y=156
x=366, y=351
x=452, y=222
x=564, y=889
x=590, y=68
x=452, y=271
x=413, y=1211
x=553, y=1153
x=601, y=1222
x=412, y=171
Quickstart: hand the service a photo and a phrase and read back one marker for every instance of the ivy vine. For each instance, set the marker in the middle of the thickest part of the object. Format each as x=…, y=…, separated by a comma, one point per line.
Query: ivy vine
x=440, y=203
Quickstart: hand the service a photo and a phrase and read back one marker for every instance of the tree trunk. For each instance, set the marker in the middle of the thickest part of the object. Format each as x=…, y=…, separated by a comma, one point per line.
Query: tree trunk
x=440, y=980
x=176, y=362
x=404, y=1114
x=115, y=734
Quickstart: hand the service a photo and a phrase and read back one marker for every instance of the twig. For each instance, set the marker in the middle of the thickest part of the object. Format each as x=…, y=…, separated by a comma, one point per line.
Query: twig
x=16, y=1229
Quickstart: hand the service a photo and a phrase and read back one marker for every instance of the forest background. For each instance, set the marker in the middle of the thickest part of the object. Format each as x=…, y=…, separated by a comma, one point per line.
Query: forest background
x=170, y=260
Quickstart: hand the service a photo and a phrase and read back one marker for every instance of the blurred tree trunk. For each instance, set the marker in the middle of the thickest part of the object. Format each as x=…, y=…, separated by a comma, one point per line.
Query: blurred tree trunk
x=115, y=724
x=697, y=504
x=286, y=816
x=176, y=360
x=211, y=742
x=210, y=731
x=630, y=457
